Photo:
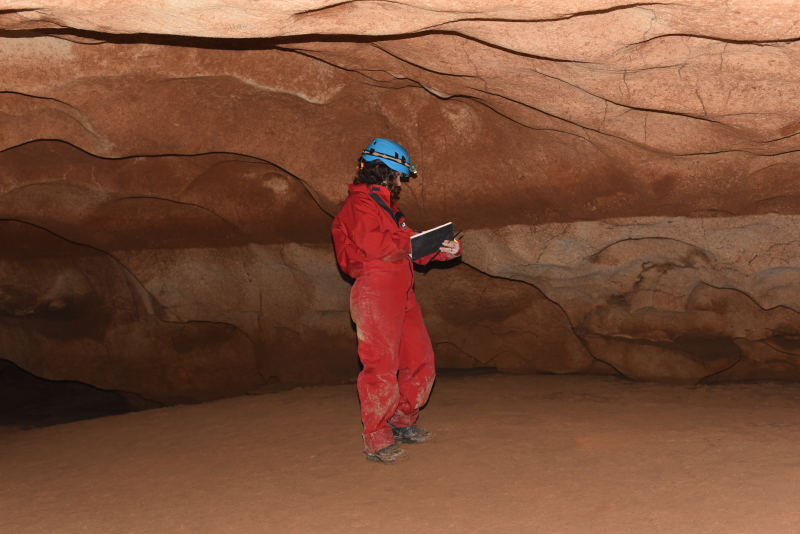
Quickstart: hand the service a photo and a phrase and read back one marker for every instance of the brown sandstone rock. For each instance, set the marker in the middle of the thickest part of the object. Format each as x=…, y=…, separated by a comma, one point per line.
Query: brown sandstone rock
x=736, y=20
x=666, y=299
x=69, y=312
x=627, y=176
x=275, y=104
x=479, y=321
x=216, y=273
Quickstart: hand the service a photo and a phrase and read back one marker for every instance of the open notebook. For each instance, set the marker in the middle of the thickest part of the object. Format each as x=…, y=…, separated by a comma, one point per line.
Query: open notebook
x=429, y=241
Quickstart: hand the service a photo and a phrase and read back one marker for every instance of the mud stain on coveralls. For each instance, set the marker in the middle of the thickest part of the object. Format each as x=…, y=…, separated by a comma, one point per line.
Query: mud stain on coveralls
x=355, y=316
x=381, y=398
x=424, y=395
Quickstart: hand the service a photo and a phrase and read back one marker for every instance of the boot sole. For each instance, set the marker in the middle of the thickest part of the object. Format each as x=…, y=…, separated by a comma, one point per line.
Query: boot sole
x=405, y=441
x=396, y=460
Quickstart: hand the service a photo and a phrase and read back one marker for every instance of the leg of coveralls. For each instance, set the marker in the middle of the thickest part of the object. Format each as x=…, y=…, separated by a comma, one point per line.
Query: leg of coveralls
x=417, y=369
x=377, y=306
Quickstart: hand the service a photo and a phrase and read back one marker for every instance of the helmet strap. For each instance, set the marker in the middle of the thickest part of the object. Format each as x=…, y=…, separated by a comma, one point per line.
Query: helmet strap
x=373, y=152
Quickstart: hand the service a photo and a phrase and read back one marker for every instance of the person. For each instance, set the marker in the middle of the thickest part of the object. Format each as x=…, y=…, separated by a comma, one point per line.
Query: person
x=373, y=246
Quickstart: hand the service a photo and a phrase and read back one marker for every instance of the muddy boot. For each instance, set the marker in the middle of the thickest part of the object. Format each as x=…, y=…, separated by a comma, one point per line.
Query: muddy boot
x=413, y=434
x=389, y=455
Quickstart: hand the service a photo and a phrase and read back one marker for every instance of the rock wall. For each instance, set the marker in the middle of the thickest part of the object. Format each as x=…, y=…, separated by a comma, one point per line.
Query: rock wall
x=185, y=278
x=626, y=174
x=667, y=299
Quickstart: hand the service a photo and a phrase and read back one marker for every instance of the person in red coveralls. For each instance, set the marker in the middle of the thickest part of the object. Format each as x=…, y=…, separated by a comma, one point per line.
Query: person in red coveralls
x=373, y=245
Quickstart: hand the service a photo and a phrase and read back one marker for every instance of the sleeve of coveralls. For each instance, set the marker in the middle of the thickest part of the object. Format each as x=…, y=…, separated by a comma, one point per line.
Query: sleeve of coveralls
x=376, y=242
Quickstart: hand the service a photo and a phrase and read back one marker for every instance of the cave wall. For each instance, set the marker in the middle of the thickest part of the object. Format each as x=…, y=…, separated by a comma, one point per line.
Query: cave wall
x=627, y=178
x=185, y=278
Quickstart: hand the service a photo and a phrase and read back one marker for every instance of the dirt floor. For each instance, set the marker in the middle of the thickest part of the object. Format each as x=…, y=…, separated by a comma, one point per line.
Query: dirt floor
x=515, y=454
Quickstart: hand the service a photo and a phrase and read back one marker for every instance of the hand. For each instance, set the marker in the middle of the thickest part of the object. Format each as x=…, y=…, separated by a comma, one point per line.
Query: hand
x=450, y=247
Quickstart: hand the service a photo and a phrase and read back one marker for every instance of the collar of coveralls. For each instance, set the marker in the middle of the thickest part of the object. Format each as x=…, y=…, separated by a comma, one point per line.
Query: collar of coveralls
x=382, y=191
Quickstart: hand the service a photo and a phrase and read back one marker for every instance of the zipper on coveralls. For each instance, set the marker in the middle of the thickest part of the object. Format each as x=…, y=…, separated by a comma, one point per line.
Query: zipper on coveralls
x=395, y=217
x=411, y=267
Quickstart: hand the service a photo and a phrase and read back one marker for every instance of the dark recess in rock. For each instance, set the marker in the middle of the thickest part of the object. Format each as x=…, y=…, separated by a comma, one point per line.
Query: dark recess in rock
x=27, y=401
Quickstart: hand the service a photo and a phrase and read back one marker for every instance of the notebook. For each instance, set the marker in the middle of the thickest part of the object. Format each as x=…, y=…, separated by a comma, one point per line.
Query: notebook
x=429, y=241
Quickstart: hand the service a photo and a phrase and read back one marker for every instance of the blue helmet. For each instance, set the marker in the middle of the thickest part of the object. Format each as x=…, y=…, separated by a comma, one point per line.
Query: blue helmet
x=390, y=153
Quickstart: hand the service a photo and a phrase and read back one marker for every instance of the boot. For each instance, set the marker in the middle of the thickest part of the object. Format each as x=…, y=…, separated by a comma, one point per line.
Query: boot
x=389, y=455
x=412, y=434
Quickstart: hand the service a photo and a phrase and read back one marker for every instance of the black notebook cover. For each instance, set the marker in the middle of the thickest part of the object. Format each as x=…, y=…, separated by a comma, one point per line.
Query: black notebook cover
x=429, y=241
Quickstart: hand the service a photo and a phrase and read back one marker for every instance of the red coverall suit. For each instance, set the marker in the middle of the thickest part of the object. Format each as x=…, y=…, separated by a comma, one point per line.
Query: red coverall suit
x=373, y=247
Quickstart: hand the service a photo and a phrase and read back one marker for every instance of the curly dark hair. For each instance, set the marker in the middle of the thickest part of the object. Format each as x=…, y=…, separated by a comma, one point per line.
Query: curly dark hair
x=378, y=174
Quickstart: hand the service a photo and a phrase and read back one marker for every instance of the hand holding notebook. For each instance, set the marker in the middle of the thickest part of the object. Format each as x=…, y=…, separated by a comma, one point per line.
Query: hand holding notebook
x=429, y=241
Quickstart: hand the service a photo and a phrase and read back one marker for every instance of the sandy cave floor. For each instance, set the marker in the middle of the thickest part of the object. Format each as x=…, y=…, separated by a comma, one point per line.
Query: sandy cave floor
x=514, y=454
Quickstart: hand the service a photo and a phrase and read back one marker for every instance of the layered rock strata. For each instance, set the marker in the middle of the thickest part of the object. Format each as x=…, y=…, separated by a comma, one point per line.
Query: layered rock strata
x=667, y=299
x=180, y=279
x=627, y=176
